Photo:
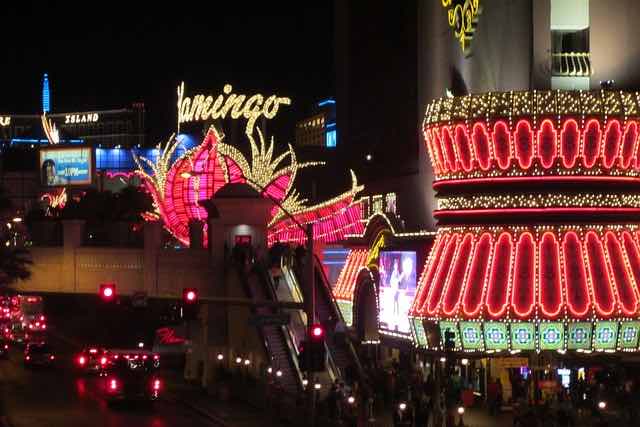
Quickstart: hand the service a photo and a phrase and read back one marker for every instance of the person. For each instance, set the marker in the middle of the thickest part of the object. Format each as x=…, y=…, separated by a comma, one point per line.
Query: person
x=394, y=283
x=49, y=174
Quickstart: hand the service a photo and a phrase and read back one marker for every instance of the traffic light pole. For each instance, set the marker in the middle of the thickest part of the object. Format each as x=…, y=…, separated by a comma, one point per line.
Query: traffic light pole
x=310, y=311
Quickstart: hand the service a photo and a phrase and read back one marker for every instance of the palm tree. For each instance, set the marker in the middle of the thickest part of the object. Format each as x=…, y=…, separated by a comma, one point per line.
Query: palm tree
x=15, y=262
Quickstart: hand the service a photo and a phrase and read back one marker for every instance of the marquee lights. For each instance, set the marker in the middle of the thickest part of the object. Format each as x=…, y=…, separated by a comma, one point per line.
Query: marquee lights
x=203, y=108
x=5, y=121
x=178, y=186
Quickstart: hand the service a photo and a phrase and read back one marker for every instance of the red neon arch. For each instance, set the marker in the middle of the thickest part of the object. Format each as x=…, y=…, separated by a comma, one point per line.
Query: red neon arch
x=523, y=292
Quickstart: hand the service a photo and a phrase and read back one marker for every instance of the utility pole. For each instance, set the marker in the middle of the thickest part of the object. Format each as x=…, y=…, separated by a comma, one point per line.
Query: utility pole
x=311, y=309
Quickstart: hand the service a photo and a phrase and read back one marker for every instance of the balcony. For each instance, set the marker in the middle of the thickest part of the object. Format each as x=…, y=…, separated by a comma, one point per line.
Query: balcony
x=571, y=64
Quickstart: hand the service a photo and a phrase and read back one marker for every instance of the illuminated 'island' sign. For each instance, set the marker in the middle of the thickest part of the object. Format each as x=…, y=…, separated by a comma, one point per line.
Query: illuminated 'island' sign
x=463, y=18
x=202, y=108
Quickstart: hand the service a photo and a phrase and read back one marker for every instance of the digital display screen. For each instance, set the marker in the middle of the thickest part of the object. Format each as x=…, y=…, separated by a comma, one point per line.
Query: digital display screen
x=496, y=336
x=66, y=166
x=397, y=289
x=579, y=336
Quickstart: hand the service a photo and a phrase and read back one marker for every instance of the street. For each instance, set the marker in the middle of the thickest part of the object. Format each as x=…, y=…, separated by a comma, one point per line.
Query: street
x=59, y=397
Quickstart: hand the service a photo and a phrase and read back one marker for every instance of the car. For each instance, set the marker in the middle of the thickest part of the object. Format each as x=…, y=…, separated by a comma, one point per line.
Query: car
x=4, y=348
x=92, y=360
x=131, y=379
x=39, y=354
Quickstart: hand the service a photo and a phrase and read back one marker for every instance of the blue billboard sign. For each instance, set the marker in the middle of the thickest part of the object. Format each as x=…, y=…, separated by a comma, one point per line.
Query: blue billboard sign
x=66, y=166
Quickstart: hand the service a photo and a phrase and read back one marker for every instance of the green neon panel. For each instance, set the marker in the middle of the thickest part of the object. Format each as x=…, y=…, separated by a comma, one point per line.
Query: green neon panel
x=551, y=336
x=471, y=333
x=605, y=335
x=579, y=335
x=628, y=335
x=420, y=335
x=444, y=326
x=346, y=308
x=523, y=336
x=496, y=336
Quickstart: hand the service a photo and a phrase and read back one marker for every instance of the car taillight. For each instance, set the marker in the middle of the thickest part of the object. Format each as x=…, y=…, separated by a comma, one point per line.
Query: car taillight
x=156, y=385
x=113, y=385
x=103, y=361
x=81, y=360
x=52, y=357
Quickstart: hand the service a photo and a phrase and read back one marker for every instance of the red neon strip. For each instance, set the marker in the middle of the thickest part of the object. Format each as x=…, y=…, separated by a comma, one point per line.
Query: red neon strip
x=428, y=142
x=591, y=143
x=575, y=276
x=569, y=143
x=448, y=149
x=474, y=291
x=537, y=211
x=547, y=147
x=500, y=275
x=437, y=148
x=437, y=286
x=612, y=139
x=602, y=291
x=523, y=290
x=629, y=142
x=426, y=285
x=523, y=138
x=627, y=300
x=502, y=144
x=633, y=255
x=453, y=293
x=463, y=148
x=549, y=276
x=517, y=179
x=480, y=139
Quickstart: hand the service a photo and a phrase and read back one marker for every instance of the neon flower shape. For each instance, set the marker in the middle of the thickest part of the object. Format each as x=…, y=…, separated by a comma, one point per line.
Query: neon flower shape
x=56, y=199
x=177, y=186
x=50, y=130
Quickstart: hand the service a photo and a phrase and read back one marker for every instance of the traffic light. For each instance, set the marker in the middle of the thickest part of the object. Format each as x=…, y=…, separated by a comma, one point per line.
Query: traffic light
x=316, y=351
x=189, y=303
x=108, y=292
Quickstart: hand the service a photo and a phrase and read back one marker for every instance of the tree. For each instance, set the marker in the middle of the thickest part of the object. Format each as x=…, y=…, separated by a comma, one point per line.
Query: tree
x=15, y=262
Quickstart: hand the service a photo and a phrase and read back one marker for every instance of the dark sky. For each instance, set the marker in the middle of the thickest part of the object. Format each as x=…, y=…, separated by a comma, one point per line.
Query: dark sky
x=108, y=54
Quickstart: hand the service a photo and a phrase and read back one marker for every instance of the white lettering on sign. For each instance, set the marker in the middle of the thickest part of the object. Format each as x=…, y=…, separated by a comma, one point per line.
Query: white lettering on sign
x=5, y=121
x=201, y=107
x=81, y=118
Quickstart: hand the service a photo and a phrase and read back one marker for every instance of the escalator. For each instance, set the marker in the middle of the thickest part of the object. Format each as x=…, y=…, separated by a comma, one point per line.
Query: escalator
x=343, y=358
x=278, y=340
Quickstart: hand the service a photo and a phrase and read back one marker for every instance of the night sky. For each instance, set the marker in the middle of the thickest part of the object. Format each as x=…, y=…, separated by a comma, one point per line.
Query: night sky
x=102, y=55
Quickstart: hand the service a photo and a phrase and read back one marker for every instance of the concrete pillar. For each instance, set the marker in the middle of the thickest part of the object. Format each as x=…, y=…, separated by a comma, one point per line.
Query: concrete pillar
x=152, y=240
x=196, y=234
x=71, y=240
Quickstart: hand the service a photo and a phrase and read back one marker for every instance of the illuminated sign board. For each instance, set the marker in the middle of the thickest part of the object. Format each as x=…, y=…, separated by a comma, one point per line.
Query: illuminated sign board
x=66, y=166
x=462, y=16
x=202, y=108
x=471, y=335
x=496, y=336
x=81, y=118
x=523, y=336
x=5, y=121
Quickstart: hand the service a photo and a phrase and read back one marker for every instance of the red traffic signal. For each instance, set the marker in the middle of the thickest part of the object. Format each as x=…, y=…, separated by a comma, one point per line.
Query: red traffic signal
x=190, y=295
x=107, y=291
x=317, y=332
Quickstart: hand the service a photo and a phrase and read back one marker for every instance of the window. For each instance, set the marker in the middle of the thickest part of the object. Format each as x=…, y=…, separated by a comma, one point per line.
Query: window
x=330, y=139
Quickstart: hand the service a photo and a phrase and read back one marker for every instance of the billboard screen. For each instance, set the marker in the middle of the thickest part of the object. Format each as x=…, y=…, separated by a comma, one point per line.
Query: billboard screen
x=397, y=289
x=66, y=166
